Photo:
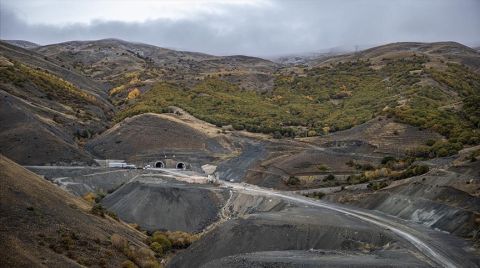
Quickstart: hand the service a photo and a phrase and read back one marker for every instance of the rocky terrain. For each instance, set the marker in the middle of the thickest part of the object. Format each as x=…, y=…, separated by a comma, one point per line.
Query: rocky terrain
x=367, y=159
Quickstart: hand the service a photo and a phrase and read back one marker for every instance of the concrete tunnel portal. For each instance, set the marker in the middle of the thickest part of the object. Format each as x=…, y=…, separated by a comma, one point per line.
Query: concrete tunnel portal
x=181, y=165
x=159, y=164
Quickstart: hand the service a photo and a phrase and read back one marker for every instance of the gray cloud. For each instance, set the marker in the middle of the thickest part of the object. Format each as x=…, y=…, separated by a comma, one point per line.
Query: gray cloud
x=281, y=28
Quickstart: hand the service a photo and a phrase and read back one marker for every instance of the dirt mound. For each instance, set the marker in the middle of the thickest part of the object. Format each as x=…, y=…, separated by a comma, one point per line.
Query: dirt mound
x=42, y=225
x=166, y=205
x=291, y=229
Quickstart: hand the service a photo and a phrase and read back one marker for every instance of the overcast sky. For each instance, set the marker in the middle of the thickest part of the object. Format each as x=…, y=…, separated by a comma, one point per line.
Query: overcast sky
x=251, y=27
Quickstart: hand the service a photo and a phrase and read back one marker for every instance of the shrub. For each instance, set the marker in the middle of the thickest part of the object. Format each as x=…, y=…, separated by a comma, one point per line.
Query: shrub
x=388, y=159
x=330, y=177
x=316, y=195
x=442, y=148
x=412, y=171
x=157, y=248
x=181, y=239
x=98, y=210
x=128, y=264
x=113, y=215
x=420, y=152
x=99, y=196
x=119, y=242
x=90, y=197
x=162, y=239
x=322, y=167
x=430, y=142
x=133, y=94
x=292, y=180
x=377, y=185
x=142, y=257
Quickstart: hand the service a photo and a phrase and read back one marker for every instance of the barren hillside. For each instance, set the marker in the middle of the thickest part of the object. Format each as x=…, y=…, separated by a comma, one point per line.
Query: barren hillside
x=44, y=226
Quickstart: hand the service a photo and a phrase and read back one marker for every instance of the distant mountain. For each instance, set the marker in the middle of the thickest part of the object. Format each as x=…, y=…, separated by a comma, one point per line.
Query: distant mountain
x=437, y=53
x=114, y=61
x=21, y=43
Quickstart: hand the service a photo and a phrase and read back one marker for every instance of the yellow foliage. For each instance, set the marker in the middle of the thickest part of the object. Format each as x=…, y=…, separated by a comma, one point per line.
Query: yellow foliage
x=90, y=197
x=134, y=80
x=377, y=173
x=116, y=90
x=134, y=93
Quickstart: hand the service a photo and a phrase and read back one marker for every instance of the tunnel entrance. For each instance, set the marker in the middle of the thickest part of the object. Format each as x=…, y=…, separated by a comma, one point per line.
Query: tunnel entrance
x=181, y=165
x=159, y=164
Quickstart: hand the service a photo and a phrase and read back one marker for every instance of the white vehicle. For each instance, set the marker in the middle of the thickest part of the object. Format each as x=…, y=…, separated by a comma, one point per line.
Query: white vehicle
x=117, y=165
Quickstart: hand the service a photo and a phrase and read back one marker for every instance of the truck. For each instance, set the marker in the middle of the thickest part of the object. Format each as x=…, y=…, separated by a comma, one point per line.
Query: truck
x=117, y=165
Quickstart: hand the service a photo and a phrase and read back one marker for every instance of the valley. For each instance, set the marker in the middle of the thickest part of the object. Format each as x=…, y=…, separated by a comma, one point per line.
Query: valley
x=367, y=159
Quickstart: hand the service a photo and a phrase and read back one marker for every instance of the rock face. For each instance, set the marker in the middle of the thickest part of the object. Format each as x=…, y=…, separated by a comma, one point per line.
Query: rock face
x=163, y=205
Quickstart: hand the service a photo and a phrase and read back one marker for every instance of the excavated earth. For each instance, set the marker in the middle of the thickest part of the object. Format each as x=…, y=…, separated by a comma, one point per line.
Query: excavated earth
x=162, y=204
x=446, y=198
x=283, y=236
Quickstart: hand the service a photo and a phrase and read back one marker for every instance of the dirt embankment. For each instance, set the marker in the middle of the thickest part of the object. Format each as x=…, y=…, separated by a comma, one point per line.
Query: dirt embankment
x=444, y=199
x=290, y=231
x=163, y=204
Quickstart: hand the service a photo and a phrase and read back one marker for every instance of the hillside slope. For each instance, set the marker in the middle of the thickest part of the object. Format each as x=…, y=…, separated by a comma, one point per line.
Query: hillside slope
x=418, y=88
x=44, y=226
x=155, y=137
x=46, y=111
x=125, y=66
